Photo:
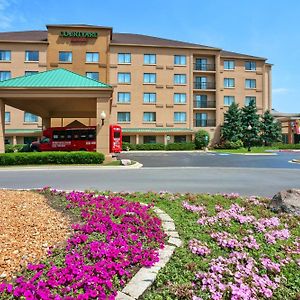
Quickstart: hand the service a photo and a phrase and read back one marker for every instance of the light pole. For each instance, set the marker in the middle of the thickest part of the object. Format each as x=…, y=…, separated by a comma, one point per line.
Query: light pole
x=249, y=128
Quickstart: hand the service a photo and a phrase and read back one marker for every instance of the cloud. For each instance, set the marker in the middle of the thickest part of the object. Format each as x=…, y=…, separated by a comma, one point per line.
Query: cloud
x=8, y=14
x=280, y=91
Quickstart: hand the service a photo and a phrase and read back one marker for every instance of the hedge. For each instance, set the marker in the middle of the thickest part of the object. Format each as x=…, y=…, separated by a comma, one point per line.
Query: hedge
x=44, y=158
x=16, y=148
x=181, y=146
x=159, y=146
x=289, y=146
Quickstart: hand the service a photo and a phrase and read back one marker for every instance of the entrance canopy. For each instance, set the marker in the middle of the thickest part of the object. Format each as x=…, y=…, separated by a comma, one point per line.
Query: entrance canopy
x=58, y=93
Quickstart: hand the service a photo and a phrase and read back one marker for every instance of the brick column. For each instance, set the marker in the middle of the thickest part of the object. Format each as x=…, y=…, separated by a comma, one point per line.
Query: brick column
x=102, y=139
x=2, y=126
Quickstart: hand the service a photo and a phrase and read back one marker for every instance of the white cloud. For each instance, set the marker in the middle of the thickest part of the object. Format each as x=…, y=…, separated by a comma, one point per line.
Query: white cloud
x=280, y=91
x=7, y=15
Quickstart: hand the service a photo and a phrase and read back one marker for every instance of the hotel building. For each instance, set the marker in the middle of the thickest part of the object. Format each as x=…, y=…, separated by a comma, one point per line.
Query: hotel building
x=163, y=90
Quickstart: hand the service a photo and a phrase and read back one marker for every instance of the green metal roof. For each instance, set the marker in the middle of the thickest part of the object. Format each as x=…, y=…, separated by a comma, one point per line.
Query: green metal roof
x=56, y=78
x=11, y=131
x=156, y=130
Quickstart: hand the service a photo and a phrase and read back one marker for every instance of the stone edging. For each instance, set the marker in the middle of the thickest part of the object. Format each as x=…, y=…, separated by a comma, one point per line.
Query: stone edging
x=145, y=277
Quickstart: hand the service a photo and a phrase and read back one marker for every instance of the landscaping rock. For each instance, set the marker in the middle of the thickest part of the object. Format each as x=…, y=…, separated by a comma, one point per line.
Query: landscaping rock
x=125, y=162
x=286, y=201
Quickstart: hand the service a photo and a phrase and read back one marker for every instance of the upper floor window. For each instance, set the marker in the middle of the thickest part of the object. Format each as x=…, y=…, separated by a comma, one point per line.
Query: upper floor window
x=179, y=79
x=149, y=97
x=28, y=73
x=30, y=118
x=65, y=56
x=92, y=57
x=124, y=77
x=7, y=117
x=4, y=75
x=124, y=58
x=124, y=97
x=31, y=55
x=123, y=116
x=92, y=75
x=249, y=99
x=179, y=98
x=5, y=55
x=228, y=100
x=250, y=65
x=229, y=82
x=149, y=77
x=229, y=64
x=149, y=117
x=250, y=83
x=179, y=117
x=179, y=60
x=149, y=59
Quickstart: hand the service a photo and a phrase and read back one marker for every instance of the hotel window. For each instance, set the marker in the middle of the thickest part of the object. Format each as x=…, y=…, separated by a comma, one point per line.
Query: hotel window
x=92, y=75
x=250, y=65
x=4, y=75
x=5, y=55
x=92, y=57
x=228, y=100
x=28, y=73
x=179, y=138
x=201, y=101
x=149, y=97
x=30, y=118
x=31, y=55
x=179, y=117
x=149, y=117
x=229, y=82
x=124, y=58
x=250, y=83
x=149, y=139
x=149, y=59
x=123, y=116
x=7, y=117
x=124, y=77
x=180, y=98
x=149, y=77
x=249, y=99
x=124, y=97
x=179, y=79
x=201, y=120
x=65, y=56
x=229, y=64
x=179, y=60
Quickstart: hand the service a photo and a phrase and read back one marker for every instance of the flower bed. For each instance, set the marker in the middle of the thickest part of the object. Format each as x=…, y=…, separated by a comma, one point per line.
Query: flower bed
x=113, y=239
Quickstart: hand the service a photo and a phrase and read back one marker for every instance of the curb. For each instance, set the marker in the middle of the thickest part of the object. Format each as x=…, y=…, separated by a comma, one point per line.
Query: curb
x=145, y=277
x=164, y=151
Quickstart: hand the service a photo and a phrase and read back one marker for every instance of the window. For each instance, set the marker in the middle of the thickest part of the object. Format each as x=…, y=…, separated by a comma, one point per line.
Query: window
x=250, y=83
x=124, y=97
x=201, y=120
x=179, y=117
x=229, y=64
x=248, y=99
x=228, y=100
x=124, y=58
x=250, y=65
x=28, y=73
x=123, y=116
x=149, y=59
x=124, y=77
x=179, y=98
x=180, y=139
x=149, y=97
x=7, y=117
x=229, y=82
x=201, y=64
x=65, y=56
x=4, y=75
x=92, y=57
x=29, y=139
x=126, y=138
x=149, y=77
x=31, y=55
x=30, y=118
x=5, y=55
x=179, y=60
x=149, y=139
x=179, y=79
x=149, y=117
x=92, y=75
x=200, y=101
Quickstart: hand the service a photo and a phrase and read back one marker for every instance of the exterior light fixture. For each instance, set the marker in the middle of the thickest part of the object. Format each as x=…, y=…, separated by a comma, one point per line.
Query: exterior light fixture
x=103, y=116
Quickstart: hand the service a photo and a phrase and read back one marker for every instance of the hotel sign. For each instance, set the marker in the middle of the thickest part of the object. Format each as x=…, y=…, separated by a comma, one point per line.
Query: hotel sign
x=78, y=34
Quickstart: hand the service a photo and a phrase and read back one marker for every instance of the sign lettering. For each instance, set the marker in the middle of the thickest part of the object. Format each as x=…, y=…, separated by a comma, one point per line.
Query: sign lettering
x=78, y=34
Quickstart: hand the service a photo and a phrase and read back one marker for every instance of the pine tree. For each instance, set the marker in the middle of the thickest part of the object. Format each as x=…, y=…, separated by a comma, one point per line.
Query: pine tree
x=250, y=125
x=271, y=129
x=232, y=128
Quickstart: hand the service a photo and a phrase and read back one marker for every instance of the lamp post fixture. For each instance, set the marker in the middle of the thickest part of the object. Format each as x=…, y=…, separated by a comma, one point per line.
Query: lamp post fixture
x=103, y=117
x=249, y=128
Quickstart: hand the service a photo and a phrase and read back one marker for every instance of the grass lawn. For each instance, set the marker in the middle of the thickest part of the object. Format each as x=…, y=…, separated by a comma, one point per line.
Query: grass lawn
x=245, y=150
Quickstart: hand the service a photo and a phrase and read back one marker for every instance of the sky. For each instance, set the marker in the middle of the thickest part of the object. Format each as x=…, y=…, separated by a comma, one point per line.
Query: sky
x=264, y=28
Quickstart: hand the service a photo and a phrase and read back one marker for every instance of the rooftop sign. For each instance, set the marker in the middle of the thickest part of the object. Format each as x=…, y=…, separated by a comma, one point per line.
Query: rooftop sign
x=78, y=34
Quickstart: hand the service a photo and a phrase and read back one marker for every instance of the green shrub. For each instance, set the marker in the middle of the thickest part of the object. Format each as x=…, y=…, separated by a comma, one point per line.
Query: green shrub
x=156, y=146
x=180, y=146
x=201, y=139
x=16, y=148
x=41, y=158
x=128, y=146
x=289, y=146
x=229, y=145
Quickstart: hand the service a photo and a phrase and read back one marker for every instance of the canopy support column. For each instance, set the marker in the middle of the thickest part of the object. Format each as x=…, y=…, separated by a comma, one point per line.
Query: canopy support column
x=102, y=131
x=2, y=126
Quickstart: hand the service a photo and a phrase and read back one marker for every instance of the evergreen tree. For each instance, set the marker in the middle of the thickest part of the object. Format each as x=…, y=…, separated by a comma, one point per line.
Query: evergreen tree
x=250, y=125
x=271, y=129
x=232, y=128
